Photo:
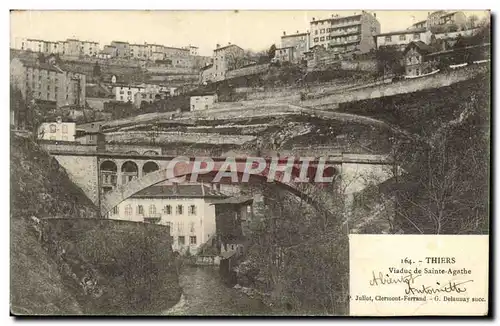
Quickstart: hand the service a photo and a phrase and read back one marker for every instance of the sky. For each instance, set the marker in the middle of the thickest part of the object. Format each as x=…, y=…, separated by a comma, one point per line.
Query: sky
x=254, y=30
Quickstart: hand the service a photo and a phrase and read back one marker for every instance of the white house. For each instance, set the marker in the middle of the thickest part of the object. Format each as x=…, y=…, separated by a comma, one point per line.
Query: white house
x=186, y=208
x=58, y=130
x=202, y=102
x=401, y=39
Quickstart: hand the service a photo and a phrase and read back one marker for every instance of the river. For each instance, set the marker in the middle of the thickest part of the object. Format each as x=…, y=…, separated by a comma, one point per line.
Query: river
x=204, y=293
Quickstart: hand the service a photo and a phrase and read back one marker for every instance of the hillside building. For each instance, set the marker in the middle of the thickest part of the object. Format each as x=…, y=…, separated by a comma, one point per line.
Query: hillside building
x=186, y=208
x=47, y=83
x=346, y=34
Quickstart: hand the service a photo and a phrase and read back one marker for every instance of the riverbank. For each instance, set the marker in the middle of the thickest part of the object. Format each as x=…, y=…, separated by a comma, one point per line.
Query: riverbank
x=205, y=293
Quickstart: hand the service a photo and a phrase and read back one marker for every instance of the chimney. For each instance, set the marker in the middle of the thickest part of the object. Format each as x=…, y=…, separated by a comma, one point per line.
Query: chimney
x=228, y=43
x=284, y=33
x=297, y=32
x=217, y=46
x=314, y=19
x=375, y=15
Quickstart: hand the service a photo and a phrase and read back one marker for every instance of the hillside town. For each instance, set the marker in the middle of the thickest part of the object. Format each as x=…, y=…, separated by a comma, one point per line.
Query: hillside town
x=97, y=125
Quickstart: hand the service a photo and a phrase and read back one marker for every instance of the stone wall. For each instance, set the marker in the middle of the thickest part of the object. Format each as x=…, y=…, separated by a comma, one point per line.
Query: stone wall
x=169, y=137
x=399, y=87
x=114, y=266
x=83, y=171
x=363, y=65
x=246, y=71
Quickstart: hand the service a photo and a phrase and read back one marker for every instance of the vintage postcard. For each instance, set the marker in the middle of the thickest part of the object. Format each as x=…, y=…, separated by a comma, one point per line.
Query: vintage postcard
x=250, y=163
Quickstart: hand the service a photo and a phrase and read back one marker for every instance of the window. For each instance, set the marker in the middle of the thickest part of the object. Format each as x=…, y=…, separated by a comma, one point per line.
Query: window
x=65, y=129
x=322, y=38
x=116, y=210
x=316, y=32
x=52, y=128
x=388, y=38
x=322, y=31
x=179, y=210
x=192, y=210
x=128, y=210
x=182, y=240
x=192, y=240
x=192, y=107
x=140, y=210
x=167, y=209
x=402, y=37
x=416, y=36
x=152, y=210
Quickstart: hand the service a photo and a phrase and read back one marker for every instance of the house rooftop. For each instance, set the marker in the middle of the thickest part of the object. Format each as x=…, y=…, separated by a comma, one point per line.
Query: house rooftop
x=294, y=35
x=421, y=46
x=335, y=18
x=179, y=191
x=40, y=65
x=242, y=200
x=226, y=46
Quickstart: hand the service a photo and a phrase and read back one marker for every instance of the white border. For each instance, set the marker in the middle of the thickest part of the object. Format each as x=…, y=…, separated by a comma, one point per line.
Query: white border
x=186, y=4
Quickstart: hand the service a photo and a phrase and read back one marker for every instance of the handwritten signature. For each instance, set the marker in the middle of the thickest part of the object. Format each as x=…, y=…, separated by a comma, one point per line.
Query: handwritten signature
x=448, y=287
x=409, y=280
x=382, y=279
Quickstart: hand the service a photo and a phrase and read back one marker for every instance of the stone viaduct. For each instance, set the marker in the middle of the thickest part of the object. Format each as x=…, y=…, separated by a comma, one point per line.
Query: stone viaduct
x=110, y=175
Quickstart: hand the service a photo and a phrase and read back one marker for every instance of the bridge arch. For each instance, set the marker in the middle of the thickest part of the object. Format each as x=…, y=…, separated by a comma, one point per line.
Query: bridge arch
x=129, y=171
x=149, y=167
x=108, y=171
x=124, y=191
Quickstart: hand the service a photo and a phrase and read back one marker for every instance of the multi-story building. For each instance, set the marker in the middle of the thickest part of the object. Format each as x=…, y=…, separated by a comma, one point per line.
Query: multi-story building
x=286, y=54
x=58, y=130
x=175, y=52
x=70, y=47
x=152, y=48
x=442, y=18
x=346, y=34
x=122, y=49
x=47, y=82
x=226, y=58
x=202, y=101
x=186, y=208
x=401, y=39
x=126, y=93
x=34, y=45
x=193, y=50
x=299, y=42
x=108, y=52
x=139, y=51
